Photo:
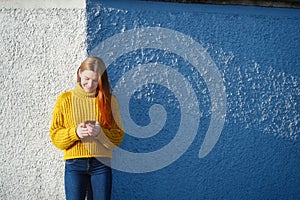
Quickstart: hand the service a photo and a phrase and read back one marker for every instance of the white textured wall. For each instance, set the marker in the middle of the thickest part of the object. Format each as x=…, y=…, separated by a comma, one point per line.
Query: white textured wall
x=41, y=46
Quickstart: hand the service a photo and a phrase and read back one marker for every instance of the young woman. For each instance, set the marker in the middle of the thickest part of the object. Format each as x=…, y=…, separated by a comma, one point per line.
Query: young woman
x=86, y=125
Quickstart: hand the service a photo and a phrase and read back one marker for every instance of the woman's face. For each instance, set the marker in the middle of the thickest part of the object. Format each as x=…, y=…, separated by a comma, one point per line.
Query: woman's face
x=89, y=80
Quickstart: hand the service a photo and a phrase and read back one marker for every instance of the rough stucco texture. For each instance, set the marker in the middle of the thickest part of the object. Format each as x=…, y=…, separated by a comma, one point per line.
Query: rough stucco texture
x=255, y=49
x=40, y=51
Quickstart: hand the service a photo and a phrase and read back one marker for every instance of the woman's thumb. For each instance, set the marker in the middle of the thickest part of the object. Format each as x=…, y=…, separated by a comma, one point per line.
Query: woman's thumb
x=83, y=125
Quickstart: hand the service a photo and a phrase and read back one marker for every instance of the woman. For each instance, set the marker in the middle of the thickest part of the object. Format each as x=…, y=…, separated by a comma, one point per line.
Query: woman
x=86, y=125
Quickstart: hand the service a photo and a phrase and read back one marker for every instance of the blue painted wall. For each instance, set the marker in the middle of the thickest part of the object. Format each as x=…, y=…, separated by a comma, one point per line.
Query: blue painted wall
x=256, y=50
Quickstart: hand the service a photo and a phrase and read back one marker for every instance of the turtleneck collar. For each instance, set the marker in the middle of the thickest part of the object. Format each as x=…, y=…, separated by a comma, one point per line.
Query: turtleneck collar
x=79, y=91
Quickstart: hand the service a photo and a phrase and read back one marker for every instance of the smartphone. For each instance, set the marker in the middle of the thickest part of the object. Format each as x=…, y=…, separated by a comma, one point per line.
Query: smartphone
x=90, y=122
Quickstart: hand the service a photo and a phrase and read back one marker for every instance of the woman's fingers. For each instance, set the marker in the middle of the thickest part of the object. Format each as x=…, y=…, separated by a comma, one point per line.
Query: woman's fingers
x=82, y=131
x=88, y=129
x=93, y=130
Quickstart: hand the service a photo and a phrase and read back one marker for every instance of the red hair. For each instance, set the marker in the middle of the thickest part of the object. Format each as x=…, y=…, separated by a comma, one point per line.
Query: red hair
x=104, y=94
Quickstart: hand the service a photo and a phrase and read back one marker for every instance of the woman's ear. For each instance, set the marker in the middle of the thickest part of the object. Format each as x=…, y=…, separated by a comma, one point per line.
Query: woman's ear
x=78, y=75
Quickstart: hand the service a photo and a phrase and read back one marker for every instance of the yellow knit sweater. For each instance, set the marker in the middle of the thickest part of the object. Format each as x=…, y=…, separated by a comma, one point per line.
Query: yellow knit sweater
x=75, y=107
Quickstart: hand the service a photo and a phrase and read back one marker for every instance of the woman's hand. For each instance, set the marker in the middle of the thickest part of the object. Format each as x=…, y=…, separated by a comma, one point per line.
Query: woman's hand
x=87, y=129
x=93, y=129
x=82, y=131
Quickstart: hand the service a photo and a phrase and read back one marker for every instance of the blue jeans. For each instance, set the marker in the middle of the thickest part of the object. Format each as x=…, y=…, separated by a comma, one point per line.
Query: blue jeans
x=87, y=177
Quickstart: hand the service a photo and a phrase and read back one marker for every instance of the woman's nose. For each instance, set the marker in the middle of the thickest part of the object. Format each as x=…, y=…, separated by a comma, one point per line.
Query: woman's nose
x=90, y=83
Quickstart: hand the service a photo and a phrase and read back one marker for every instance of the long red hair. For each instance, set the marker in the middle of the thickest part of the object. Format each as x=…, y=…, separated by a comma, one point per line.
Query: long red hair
x=104, y=94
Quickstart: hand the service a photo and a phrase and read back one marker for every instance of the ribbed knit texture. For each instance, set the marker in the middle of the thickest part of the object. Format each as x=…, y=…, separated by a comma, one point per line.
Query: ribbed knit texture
x=84, y=106
x=75, y=107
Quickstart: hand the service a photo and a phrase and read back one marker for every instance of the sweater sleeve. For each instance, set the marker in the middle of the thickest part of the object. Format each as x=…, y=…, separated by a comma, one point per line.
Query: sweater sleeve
x=61, y=136
x=113, y=137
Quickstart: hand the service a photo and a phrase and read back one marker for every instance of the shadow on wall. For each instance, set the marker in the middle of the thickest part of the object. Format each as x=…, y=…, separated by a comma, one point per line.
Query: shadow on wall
x=255, y=54
x=264, y=3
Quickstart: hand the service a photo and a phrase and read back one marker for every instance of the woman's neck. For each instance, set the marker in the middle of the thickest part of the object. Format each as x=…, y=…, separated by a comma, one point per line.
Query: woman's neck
x=79, y=91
